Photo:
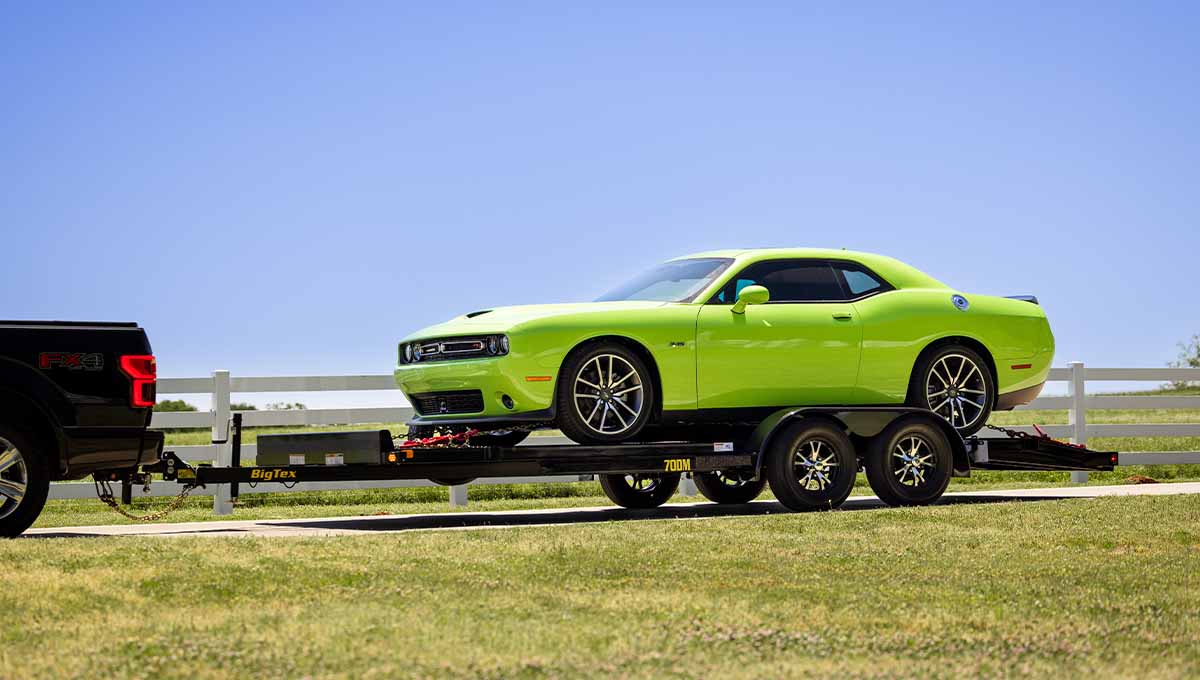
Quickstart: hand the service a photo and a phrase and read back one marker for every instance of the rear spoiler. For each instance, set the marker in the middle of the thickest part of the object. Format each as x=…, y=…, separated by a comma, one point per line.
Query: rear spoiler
x=1024, y=298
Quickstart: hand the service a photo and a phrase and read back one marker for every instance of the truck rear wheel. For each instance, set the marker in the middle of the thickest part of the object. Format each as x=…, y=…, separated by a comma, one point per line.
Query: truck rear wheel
x=729, y=487
x=639, y=491
x=24, y=481
x=910, y=463
x=811, y=466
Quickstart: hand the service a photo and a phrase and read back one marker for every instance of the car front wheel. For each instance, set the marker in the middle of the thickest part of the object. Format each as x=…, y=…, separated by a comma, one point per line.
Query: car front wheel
x=605, y=395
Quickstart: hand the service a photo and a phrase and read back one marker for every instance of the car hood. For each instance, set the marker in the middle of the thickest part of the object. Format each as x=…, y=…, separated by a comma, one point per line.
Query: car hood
x=504, y=319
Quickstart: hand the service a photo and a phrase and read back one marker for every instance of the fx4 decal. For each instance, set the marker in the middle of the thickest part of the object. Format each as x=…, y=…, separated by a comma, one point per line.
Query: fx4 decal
x=72, y=361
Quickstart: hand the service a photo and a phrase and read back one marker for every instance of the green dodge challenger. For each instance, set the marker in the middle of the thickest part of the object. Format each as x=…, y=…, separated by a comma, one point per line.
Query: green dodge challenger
x=721, y=339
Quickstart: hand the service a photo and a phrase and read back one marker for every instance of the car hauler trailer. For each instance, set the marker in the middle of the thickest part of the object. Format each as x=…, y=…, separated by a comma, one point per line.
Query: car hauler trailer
x=809, y=456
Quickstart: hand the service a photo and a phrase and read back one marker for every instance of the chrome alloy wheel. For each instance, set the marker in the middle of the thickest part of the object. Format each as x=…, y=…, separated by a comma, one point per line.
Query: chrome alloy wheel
x=816, y=464
x=608, y=394
x=14, y=478
x=955, y=389
x=732, y=480
x=642, y=483
x=912, y=460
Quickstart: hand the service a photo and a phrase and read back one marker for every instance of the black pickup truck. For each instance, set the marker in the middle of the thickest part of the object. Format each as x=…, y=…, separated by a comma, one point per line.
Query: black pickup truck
x=75, y=398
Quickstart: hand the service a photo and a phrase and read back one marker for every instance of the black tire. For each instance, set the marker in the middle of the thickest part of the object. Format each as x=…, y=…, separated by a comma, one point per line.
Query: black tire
x=897, y=480
x=453, y=481
x=26, y=474
x=639, y=491
x=729, y=488
x=802, y=484
x=503, y=439
x=955, y=382
x=634, y=394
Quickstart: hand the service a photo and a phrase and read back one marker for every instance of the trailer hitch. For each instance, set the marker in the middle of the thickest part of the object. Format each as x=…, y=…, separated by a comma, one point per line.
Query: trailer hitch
x=172, y=468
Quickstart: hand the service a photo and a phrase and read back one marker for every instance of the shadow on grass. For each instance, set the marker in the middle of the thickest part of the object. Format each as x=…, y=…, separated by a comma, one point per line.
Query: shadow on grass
x=519, y=518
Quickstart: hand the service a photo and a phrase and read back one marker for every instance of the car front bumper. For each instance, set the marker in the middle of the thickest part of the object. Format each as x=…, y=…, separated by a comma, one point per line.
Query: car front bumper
x=529, y=386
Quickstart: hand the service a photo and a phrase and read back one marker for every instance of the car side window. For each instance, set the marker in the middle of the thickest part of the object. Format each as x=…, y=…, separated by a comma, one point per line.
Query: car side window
x=787, y=281
x=860, y=282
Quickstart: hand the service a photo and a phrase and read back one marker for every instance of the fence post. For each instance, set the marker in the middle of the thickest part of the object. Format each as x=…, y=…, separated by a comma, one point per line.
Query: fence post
x=222, y=503
x=1077, y=417
x=458, y=496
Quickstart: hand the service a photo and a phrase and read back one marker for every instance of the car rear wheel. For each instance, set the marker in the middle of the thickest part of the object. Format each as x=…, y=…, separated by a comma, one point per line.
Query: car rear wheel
x=24, y=482
x=605, y=395
x=729, y=487
x=955, y=383
x=639, y=491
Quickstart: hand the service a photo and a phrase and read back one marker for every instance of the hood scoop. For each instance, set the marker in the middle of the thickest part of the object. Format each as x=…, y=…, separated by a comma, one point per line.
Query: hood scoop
x=472, y=315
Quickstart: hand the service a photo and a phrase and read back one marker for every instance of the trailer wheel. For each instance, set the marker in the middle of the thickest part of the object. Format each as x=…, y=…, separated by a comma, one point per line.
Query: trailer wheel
x=909, y=463
x=639, y=491
x=453, y=481
x=811, y=466
x=729, y=487
x=24, y=481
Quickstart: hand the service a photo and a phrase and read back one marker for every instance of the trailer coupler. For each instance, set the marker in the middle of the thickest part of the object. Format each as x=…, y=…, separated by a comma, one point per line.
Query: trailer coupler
x=172, y=468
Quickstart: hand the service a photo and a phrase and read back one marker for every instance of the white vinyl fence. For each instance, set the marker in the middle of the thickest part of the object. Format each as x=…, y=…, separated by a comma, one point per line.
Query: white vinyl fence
x=222, y=386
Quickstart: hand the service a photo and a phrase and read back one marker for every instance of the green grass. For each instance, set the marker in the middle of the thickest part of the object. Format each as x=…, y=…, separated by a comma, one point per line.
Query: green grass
x=1107, y=587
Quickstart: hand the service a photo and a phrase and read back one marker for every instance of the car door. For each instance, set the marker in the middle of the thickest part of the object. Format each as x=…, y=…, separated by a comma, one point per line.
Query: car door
x=802, y=347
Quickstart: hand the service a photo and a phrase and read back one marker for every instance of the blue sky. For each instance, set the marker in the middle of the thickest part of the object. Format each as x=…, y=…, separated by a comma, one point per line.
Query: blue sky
x=288, y=188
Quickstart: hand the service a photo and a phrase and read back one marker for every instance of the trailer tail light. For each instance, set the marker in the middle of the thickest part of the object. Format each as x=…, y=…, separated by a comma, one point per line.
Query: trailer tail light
x=143, y=372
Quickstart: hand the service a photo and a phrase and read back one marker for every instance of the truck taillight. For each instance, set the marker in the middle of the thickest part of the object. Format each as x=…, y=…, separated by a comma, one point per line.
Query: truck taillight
x=143, y=372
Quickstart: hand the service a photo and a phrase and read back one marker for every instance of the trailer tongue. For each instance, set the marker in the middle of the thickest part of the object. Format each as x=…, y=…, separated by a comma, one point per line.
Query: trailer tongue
x=810, y=456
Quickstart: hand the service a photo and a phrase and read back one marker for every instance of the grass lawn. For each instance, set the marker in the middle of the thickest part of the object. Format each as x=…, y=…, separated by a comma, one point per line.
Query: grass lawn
x=1106, y=587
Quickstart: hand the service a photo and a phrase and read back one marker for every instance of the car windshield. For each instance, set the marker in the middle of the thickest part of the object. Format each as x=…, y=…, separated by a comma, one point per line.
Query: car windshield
x=674, y=281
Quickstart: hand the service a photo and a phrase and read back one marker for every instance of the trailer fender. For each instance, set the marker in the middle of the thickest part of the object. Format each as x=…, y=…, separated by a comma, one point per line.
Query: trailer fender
x=862, y=423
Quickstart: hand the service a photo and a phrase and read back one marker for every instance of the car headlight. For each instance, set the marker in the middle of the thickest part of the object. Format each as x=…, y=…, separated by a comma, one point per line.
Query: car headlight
x=493, y=344
x=504, y=344
x=416, y=352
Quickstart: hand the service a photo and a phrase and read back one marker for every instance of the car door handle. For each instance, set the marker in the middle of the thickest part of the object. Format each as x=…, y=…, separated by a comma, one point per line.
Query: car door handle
x=842, y=316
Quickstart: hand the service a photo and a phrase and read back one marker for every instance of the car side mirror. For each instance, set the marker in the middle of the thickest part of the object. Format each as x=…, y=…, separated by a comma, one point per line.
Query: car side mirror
x=750, y=295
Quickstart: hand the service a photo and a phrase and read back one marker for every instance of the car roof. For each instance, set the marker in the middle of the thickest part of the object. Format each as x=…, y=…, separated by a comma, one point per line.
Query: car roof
x=897, y=273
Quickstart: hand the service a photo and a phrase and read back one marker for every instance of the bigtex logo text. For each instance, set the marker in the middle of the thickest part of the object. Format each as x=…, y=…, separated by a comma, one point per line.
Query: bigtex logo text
x=269, y=475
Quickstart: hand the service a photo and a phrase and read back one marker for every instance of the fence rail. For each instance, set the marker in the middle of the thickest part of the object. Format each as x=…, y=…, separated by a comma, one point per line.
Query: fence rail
x=221, y=385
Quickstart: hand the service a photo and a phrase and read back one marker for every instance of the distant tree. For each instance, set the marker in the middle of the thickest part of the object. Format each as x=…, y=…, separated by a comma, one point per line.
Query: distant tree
x=243, y=407
x=284, y=406
x=1189, y=357
x=173, y=406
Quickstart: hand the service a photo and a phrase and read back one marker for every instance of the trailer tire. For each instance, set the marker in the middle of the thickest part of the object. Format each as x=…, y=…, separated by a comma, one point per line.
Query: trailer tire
x=729, y=488
x=639, y=491
x=811, y=465
x=909, y=463
x=24, y=472
x=453, y=481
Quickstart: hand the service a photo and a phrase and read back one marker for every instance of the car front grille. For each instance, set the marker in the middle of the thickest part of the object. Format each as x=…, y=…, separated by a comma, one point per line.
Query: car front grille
x=446, y=403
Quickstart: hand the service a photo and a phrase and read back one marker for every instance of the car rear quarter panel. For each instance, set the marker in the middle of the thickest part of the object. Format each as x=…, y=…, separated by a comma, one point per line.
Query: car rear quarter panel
x=898, y=325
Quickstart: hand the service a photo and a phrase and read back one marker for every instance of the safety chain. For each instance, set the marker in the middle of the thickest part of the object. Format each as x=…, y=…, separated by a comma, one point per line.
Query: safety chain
x=104, y=491
x=460, y=438
x=1041, y=434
